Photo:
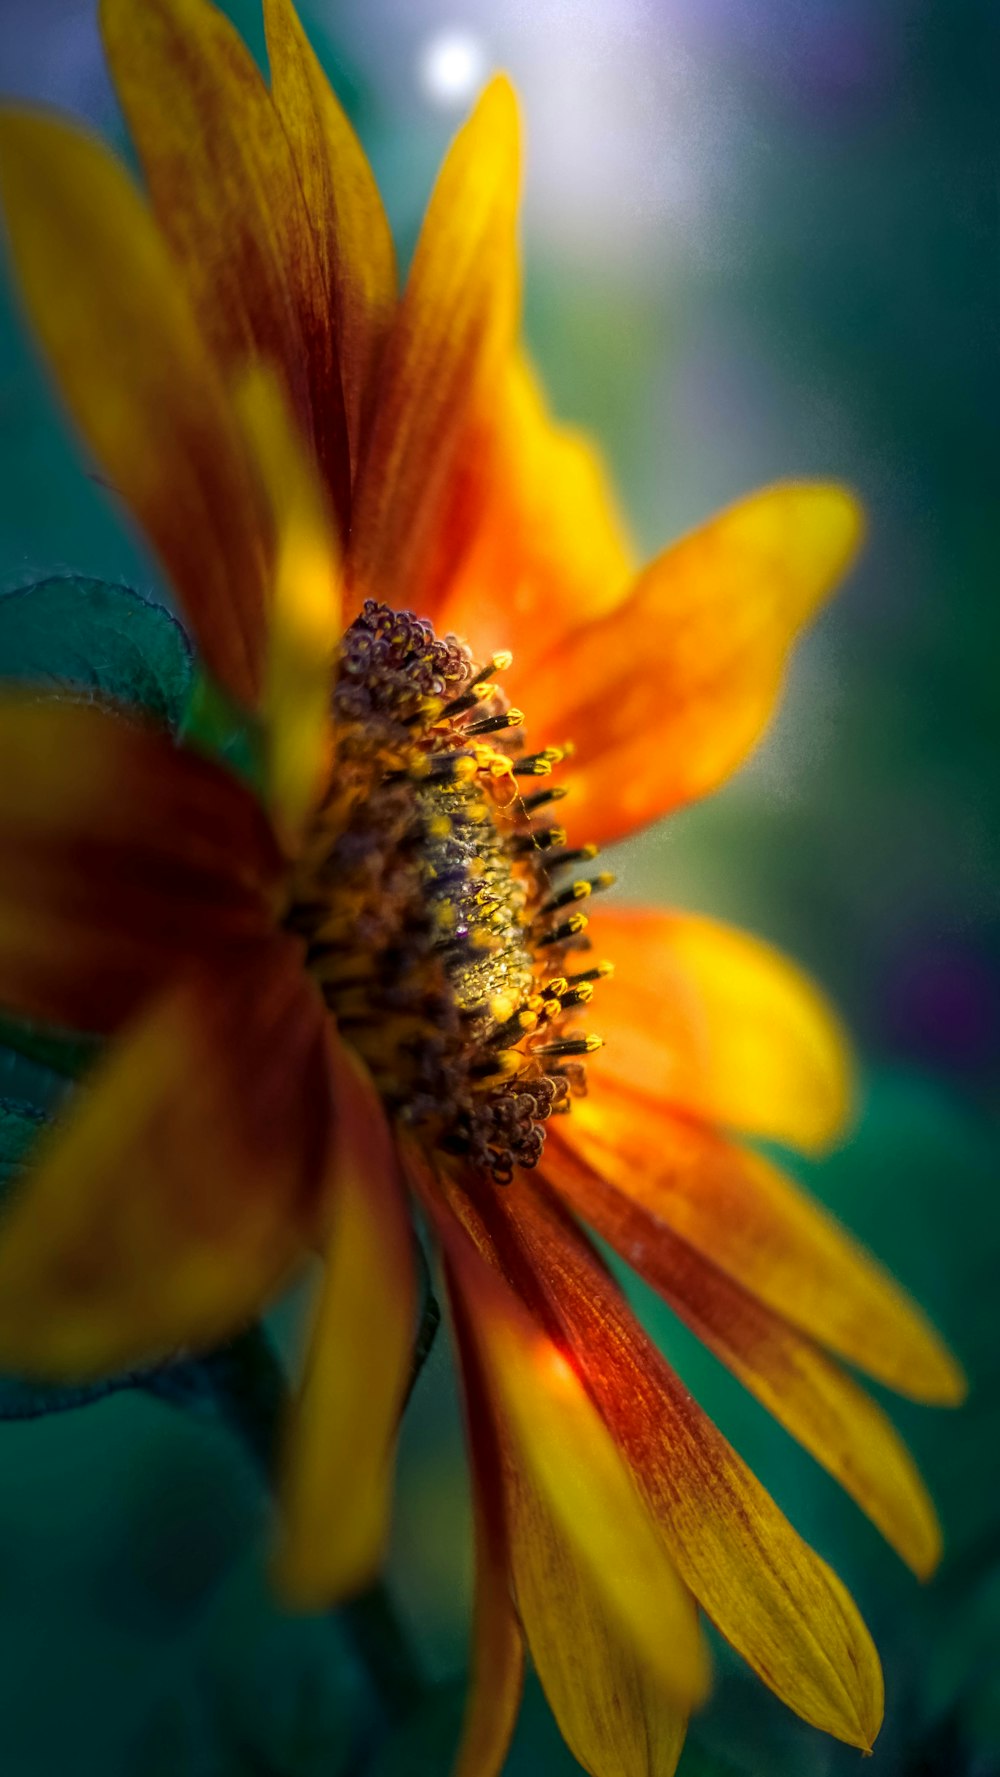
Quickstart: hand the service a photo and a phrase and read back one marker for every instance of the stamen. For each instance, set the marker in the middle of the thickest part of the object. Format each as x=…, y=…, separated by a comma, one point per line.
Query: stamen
x=495, y=724
x=570, y=1046
x=539, y=798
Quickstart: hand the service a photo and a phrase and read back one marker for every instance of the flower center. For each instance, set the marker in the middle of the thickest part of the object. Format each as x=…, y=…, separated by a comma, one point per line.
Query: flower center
x=433, y=897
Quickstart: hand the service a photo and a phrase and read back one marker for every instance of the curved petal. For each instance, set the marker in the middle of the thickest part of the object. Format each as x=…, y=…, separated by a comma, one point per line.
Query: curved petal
x=304, y=627
x=338, y=1484
x=769, y=1594
x=548, y=552
x=124, y=858
x=754, y=1224
x=576, y=1507
x=664, y=697
x=451, y=336
x=706, y=1018
x=353, y=241
x=811, y=1396
x=497, y=1664
x=226, y=192
x=103, y=294
x=167, y=1208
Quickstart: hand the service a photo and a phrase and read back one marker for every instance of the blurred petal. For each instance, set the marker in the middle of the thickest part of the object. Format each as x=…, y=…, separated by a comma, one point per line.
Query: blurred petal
x=761, y=1230
x=338, y=1488
x=664, y=697
x=547, y=551
x=356, y=254
x=715, y=1022
x=452, y=333
x=497, y=1662
x=770, y=1595
x=166, y=1209
x=103, y=294
x=578, y=1507
x=304, y=627
x=225, y=189
x=124, y=858
x=810, y=1395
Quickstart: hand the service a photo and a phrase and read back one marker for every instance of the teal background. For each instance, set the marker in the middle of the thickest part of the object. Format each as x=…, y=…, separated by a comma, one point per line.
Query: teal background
x=760, y=241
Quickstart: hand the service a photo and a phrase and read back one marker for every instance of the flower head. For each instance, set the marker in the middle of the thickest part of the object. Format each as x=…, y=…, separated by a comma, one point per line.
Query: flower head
x=372, y=968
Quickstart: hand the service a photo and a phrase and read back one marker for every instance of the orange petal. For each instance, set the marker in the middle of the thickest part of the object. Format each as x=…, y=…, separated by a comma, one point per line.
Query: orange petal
x=338, y=1488
x=103, y=294
x=770, y=1595
x=717, y=1023
x=548, y=551
x=450, y=339
x=167, y=1207
x=497, y=1664
x=355, y=248
x=225, y=189
x=577, y=1510
x=304, y=627
x=665, y=696
x=124, y=858
x=810, y=1395
x=762, y=1231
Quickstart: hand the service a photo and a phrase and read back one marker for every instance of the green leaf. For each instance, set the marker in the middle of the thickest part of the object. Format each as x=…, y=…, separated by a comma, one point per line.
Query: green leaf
x=214, y=724
x=94, y=637
x=19, y=1127
x=62, y=1052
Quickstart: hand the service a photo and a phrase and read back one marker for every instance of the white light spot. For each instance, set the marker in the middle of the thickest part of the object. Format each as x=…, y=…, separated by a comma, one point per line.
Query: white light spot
x=452, y=66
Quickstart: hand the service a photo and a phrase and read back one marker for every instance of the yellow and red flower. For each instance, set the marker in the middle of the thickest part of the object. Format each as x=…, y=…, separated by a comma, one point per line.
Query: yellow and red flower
x=363, y=978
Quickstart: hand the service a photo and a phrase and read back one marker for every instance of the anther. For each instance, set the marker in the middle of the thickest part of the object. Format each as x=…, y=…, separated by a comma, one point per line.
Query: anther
x=577, y=996
x=570, y=928
x=539, y=839
x=498, y=663
x=576, y=891
x=580, y=854
x=570, y=1046
x=538, y=798
x=494, y=724
x=599, y=972
x=539, y=764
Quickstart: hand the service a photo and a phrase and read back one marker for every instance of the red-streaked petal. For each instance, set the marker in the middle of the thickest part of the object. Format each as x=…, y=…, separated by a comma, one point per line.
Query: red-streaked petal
x=226, y=191
x=355, y=247
x=717, y=1023
x=577, y=1508
x=770, y=1595
x=810, y=1395
x=304, y=626
x=450, y=339
x=497, y=1663
x=547, y=550
x=758, y=1227
x=165, y=1210
x=665, y=697
x=124, y=858
x=104, y=295
x=338, y=1486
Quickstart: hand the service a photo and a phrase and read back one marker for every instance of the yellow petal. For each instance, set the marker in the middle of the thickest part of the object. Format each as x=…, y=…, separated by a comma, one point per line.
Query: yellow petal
x=548, y=550
x=810, y=1395
x=304, y=624
x=497, y=1663
x=352, y=235
x=769, y=1594
x=665, y=696
x=225, y=189
x=715, y=1022
x=571, y=1467
x=338, y=1487
x=105, y=298
x=451, y=336
x=759, y=1228
x=167, y=1207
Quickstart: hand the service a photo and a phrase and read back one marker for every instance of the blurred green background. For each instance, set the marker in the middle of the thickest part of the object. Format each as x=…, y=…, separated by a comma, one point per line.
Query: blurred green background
x=761, y=240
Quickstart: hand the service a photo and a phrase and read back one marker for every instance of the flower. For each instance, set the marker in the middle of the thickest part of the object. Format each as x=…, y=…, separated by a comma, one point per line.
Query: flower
x=361, y=972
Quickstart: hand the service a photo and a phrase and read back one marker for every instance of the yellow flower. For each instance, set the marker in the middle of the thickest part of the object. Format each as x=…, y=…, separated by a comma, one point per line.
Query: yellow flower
x=367, y=979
